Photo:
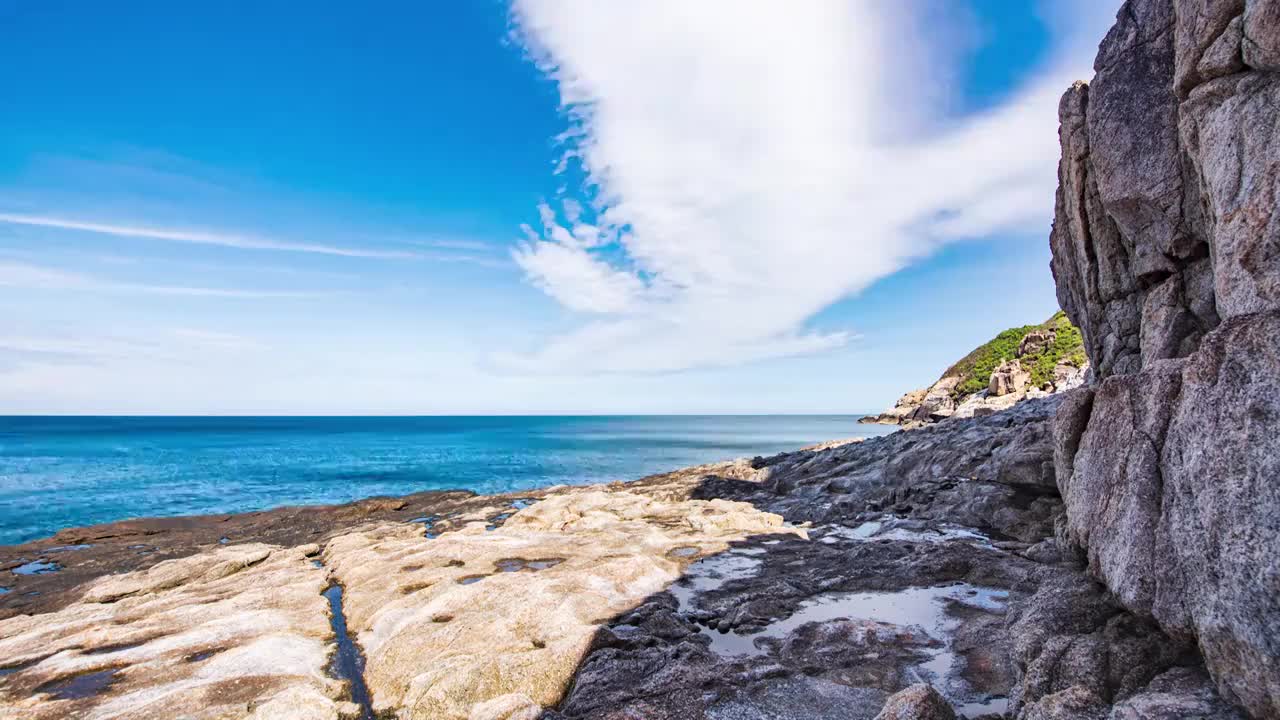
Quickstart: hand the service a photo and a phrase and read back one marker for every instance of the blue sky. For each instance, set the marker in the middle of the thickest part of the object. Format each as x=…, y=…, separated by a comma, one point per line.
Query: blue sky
x=538, y=207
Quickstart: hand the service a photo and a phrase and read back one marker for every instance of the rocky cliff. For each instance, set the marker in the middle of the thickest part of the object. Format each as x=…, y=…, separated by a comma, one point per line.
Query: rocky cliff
x=1166, y=254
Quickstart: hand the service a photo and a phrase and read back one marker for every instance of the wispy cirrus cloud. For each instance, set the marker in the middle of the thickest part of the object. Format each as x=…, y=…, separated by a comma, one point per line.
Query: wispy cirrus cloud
x=39, y=277
x=231, y=240
x=750, y=163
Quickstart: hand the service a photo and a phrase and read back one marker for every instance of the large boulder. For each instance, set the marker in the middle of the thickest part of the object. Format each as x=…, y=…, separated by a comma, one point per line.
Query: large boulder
x=1036, y=342
x=1009, y=377
x=939, y=401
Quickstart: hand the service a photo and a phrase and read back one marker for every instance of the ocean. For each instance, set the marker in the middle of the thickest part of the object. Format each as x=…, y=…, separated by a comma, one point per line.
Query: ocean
x=59, y=472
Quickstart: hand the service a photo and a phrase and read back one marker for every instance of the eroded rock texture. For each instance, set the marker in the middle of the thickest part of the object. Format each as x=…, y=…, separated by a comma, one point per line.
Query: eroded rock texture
x=1166, y=253
x=239, y=631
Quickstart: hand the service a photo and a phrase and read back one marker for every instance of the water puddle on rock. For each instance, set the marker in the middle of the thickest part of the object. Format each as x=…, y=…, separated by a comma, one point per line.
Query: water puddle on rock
x=497, y=521
x=523, y=565
x=37, y=567
x=114, y=648
x=79, y=687
x=67, y=548
x=905, y=530
x=914, y=607
x=710, y=573
x=428, y=524
x=201, y=655
x=347, y=662
x=11, y=669
x=991, y=706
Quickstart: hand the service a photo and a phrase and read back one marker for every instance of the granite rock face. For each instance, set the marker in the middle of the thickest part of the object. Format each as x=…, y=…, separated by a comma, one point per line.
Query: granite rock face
x=1165, y=220
x=1166, y=254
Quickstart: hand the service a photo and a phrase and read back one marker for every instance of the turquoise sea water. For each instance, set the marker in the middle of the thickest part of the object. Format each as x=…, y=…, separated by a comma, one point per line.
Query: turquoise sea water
x=58, y=472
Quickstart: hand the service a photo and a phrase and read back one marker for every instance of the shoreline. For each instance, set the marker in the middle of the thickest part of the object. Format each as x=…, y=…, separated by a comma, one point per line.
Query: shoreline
x=853, y=568
x=89, y=472
x=84, y=553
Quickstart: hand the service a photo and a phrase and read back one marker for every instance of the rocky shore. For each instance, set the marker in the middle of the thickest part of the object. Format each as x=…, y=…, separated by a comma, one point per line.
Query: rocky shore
x=825, y=583
x=1106, y=552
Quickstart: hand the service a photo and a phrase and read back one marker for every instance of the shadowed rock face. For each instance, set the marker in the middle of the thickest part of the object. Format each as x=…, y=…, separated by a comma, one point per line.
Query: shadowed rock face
x=1166, y=254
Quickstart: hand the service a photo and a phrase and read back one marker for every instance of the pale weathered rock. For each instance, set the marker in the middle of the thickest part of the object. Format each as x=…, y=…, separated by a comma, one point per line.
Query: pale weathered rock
x=1069, y=377
x=1008, y=377
x=236, y=632
x=939, y=402
x=918, y=702
x=479, y=623
x=931, y=404
x=984, y=403
x=1035, y=342
x=902, y=411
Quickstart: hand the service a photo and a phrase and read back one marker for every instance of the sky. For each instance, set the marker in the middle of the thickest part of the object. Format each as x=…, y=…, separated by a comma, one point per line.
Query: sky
x=525, y=207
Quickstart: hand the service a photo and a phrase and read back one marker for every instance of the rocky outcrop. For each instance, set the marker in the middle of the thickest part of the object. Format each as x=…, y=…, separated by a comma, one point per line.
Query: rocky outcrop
x=501, y=617
x=1166, y=254
x=996, y=376
x=1008, y=378
x=813, y=629
x=1036, y=342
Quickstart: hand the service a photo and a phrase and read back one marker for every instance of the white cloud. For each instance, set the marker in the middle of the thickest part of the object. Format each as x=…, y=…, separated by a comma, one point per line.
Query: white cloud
x=749, y=167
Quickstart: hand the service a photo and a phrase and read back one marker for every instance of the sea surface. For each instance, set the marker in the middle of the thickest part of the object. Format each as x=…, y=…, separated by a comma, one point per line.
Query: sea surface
x=59, y=472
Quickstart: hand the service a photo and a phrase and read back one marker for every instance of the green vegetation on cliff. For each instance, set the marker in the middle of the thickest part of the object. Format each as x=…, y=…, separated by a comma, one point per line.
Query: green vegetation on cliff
x=975, y=368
